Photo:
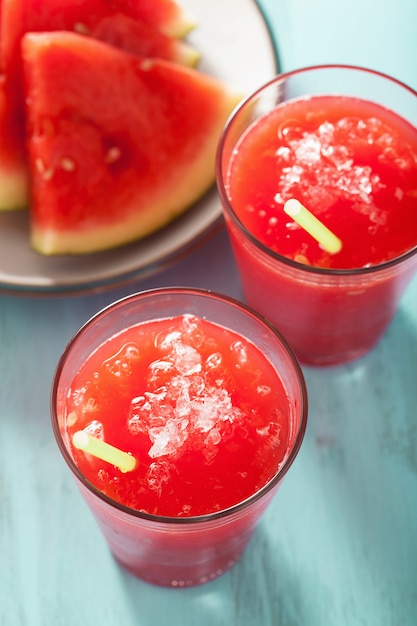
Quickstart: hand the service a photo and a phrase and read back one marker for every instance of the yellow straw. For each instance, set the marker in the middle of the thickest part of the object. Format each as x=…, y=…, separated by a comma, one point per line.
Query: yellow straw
x=327, y=240
x=104, y=451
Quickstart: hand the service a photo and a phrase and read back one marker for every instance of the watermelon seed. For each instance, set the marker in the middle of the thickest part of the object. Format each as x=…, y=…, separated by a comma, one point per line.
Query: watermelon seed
x=112, y=155
x=40, y=165
x=67, y=164
x=146, y=64
x=72, y=418
x=43, y=171
x=81, y=28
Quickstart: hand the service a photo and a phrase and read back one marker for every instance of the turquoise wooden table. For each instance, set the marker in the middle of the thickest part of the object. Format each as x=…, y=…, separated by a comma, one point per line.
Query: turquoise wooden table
x=338, y=546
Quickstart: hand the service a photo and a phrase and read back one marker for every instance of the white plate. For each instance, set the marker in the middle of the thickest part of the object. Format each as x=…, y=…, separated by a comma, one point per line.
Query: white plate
x=237, y=47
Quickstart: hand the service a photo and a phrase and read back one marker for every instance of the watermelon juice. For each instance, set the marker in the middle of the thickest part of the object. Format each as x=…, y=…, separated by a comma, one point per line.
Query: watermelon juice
x=209, y=401
x=343, y=142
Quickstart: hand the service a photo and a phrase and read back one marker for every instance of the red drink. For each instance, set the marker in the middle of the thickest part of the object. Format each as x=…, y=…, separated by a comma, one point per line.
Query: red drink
x=212, y=405
x=201, y=409
x=353, y=163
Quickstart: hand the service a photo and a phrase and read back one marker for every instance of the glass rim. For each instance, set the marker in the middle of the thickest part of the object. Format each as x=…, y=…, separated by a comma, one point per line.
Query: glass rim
x=196, y=519
x=228, y=208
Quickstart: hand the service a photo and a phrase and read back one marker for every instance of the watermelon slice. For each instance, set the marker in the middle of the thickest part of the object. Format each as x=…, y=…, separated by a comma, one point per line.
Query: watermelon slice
x=118, y=145
x=144, y=27
x=140, y=27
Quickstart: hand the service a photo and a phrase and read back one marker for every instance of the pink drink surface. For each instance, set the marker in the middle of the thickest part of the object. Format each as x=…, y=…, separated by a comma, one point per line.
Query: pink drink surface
x=351, y=162
x=202, y=410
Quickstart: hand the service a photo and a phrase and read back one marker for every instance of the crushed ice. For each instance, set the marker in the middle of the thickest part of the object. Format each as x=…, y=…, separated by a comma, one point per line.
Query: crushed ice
x=95, y=429
x=337, y=176
x=184, y=403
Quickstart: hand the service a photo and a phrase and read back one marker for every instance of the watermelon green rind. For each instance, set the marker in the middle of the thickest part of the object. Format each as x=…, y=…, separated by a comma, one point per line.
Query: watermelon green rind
x=13, y=168
x=13, y=186
x=111, y=165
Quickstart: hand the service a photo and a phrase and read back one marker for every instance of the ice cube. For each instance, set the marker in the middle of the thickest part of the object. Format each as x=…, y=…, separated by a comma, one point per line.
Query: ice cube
x=95, y=429
x=120, y=364
x=168, y=439
x=182, y=397
x=160, y=372
x=214, y=361
x=263, y=390
x=308, y=150
x=191, y=331
x=148, y=411
x=185, y=359
x=240, y=351
x=196, y=385
x=166, y=339
x=158, y=474
x=77, y=395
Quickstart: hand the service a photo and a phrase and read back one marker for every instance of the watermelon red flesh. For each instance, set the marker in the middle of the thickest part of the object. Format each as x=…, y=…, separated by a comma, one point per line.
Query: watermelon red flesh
x=110, y=165
x=140, y=27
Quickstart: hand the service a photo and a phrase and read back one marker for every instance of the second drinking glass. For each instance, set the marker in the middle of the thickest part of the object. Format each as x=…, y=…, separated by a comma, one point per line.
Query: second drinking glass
x=317, y=175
